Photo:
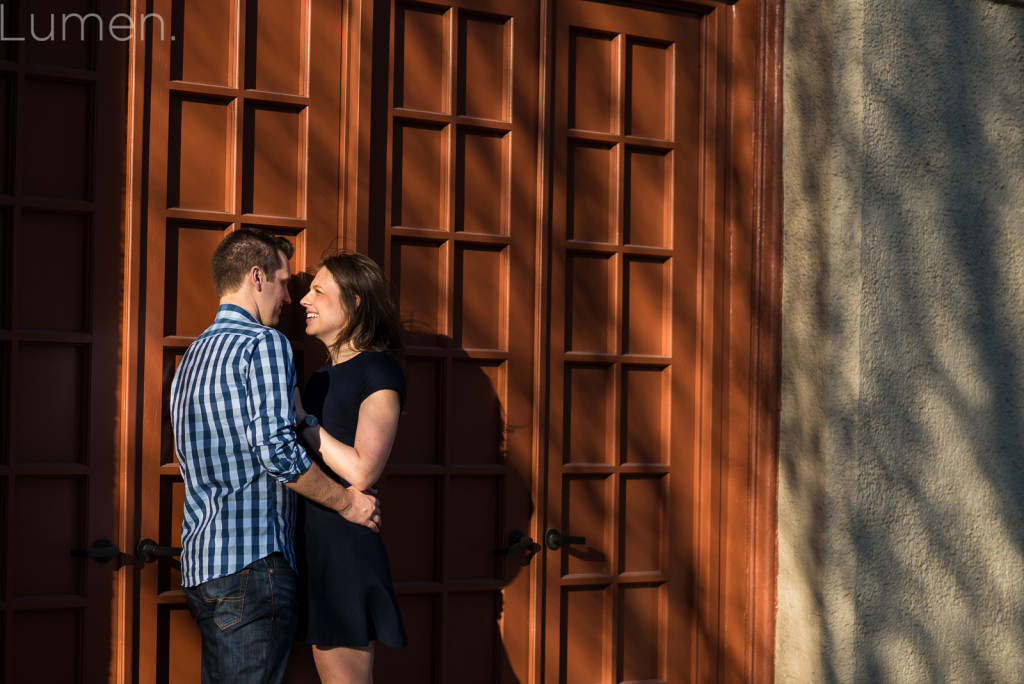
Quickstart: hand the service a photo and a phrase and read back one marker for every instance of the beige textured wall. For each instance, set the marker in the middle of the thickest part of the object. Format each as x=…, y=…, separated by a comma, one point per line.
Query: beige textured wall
x=901, y=506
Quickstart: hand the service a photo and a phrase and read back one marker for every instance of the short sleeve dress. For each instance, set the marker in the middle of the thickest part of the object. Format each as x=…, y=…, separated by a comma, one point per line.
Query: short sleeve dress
x=347, y=594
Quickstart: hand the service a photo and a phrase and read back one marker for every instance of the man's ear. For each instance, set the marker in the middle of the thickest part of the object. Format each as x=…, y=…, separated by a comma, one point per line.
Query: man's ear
x=256, y=277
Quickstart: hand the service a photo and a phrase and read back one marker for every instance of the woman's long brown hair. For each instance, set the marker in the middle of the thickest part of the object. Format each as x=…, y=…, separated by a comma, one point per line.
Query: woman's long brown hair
x=374, y=323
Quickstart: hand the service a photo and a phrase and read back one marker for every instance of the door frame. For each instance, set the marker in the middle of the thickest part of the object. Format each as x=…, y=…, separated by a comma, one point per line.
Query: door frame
x=124, y=665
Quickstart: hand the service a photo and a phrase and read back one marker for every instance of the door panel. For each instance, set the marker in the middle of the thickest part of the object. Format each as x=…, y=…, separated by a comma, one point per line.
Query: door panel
x=624, y=365
x=61, y=193
x=460, y=217
x=241, y=132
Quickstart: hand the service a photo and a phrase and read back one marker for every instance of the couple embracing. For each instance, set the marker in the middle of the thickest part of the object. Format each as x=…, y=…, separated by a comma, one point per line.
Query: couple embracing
x=256, y=455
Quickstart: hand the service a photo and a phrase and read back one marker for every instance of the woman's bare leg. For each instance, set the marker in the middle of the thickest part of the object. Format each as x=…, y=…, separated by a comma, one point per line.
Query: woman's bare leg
x=344, y=665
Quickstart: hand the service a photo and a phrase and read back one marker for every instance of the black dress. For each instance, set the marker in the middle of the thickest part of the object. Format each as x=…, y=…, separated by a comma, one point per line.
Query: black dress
x=347, y=594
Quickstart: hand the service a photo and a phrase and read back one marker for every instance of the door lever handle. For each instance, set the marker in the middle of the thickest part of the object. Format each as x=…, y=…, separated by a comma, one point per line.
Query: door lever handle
x=148, y=550
x=102, y=551
x=517, y=541
x=553, y=539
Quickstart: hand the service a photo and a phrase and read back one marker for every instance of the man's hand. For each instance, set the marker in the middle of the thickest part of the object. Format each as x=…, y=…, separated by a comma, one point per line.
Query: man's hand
x=363, y=509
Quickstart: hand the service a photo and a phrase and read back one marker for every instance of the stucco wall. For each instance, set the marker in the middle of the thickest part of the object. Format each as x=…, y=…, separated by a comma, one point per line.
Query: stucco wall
x=901, y=534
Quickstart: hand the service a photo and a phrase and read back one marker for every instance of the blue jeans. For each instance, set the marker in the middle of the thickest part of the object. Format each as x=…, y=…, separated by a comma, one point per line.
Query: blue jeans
x=247, y=621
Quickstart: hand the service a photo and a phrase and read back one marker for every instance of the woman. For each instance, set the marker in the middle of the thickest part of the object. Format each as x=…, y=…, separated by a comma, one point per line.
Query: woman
x=356, y=401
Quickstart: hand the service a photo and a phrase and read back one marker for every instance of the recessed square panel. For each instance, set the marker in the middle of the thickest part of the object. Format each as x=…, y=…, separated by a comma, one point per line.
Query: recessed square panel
x=472, y=635
x=484, y=45
x=481, y=298
x=640, y=614
x=591, y=192
x=642, y=536
x=421, y=63
x=172, y=358
x=7, y=118
x=644, y=414
x=420, y=196
x=417, y=438
x=59, y=629
x=586, y=644
x=418, y=277
x=648, y=198
x=593, y=69
x=63, y=33
x=58, y=125
x=481, y=201
x=476, y=425
x=172, y=510
x=43, y=543
x=275, y=45
x=190, y=301
x=589, y=391
x=648, y=320
x=64, y=243
x=39, y=370
x=179, y=646
x=5, y=414
x=476, y=535
x=417, y=663
x=274, y=177
x=650, y=89
x=413, y=533
x=201, y=144
x=586, y=505
x=6, y=270
x=589, y=328
x=8, y=48
x=204, y=34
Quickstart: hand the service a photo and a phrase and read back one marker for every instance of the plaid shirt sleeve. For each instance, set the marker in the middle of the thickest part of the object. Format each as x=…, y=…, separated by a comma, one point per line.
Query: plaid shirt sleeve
x=271, y=425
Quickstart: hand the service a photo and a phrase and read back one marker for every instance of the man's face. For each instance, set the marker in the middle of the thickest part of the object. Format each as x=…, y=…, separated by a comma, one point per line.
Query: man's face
x=274, y=295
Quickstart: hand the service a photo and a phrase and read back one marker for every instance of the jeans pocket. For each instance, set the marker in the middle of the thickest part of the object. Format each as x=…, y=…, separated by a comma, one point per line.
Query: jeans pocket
x=225, y=598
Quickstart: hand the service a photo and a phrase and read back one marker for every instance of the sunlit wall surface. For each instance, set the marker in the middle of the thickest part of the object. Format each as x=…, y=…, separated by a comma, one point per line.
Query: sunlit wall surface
x=901, y=543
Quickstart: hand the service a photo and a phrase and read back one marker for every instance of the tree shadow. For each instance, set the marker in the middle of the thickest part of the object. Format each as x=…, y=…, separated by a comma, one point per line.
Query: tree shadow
x=912, y=322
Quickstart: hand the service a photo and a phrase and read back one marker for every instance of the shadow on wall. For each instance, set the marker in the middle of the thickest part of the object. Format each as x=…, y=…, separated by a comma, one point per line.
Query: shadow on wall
x=919, y=296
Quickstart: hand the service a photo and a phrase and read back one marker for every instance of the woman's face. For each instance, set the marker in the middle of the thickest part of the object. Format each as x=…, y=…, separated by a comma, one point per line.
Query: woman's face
x=325, y=312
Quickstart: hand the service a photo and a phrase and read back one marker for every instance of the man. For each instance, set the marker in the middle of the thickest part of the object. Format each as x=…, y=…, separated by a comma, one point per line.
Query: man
x=233, y=419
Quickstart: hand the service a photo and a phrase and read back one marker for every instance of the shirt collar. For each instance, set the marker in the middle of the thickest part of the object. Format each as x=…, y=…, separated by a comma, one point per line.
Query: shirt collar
x=235, y=313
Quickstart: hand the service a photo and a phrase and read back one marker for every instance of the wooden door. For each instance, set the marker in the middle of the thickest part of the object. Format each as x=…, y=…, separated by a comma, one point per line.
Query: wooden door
x=61, y=182
x=649, y=441
x=242, y=128
x=627, y=239
x=458, y=195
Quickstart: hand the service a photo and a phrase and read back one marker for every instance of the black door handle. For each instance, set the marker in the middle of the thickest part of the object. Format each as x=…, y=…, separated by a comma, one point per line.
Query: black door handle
x=102, y=551
x=553, y=539
x=517, y=541
x=148, y=550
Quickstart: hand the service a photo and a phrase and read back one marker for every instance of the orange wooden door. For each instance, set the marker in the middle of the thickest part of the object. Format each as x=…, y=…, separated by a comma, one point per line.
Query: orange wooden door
x=241, y=128
x=61, y=182
x=458, y=194
x=649, y=447
x=625, y=331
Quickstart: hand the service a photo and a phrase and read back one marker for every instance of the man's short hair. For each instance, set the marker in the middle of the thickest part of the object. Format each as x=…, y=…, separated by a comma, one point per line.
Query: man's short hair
x=240, y=251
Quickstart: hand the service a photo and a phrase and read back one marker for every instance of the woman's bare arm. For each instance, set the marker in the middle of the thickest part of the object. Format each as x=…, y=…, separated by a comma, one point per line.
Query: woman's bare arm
x=362, y=463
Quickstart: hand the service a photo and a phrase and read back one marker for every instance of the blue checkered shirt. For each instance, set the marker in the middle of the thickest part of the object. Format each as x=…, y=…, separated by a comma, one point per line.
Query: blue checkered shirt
x=234, y=435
